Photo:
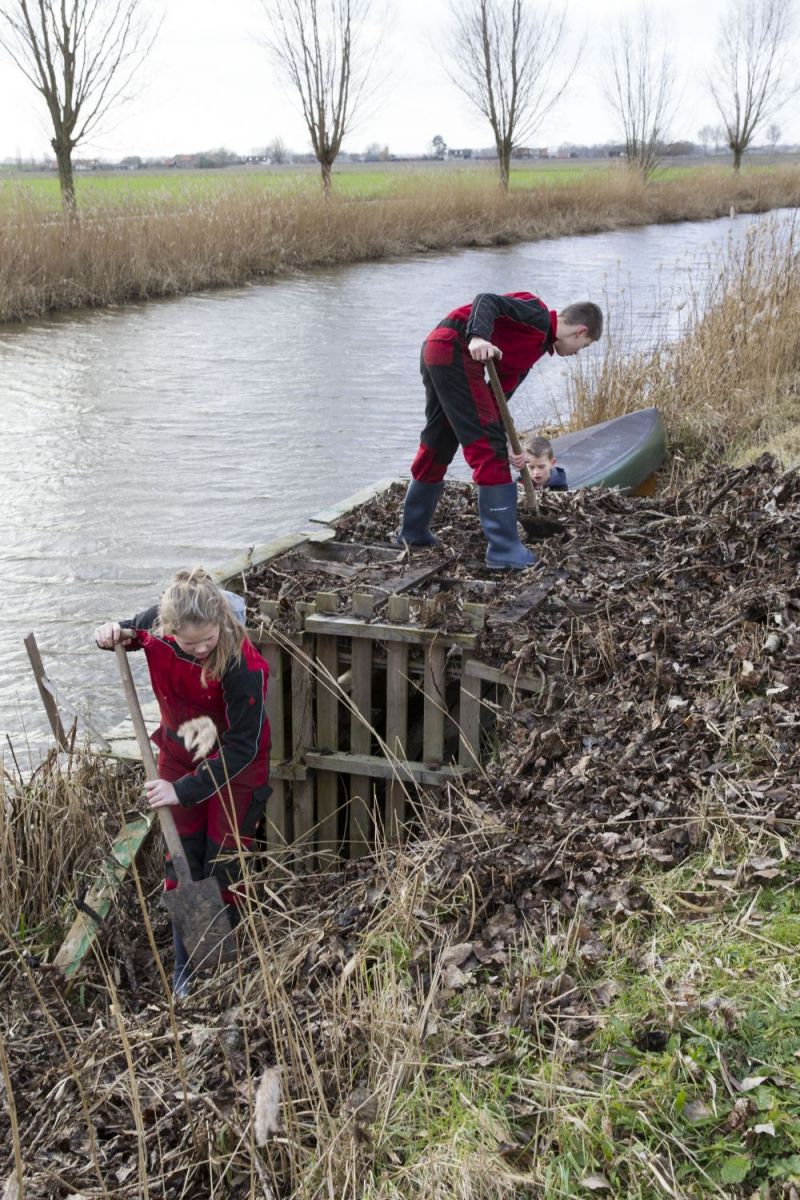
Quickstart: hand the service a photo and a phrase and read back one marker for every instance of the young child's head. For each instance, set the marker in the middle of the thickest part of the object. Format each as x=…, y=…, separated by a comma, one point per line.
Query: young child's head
x=578, y=326
x=539, y=459
x=193, y=609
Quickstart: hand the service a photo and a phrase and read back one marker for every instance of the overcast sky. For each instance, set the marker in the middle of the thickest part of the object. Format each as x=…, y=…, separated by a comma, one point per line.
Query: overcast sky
x=209, y=82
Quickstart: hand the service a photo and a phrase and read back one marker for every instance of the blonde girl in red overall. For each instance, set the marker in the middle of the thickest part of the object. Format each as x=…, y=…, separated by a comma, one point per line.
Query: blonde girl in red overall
x=202, y=665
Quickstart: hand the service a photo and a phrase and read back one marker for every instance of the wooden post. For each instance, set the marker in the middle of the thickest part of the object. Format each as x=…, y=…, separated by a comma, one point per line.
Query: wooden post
x=47, y=700
x=276, y=805
x=327, y=782
x=360, y=732
x=434, y=705
x=302, y=733
x=469, y=717
x=396, y=716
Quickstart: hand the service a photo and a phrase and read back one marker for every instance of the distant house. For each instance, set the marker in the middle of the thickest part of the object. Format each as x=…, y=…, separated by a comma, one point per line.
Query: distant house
x=465, y=153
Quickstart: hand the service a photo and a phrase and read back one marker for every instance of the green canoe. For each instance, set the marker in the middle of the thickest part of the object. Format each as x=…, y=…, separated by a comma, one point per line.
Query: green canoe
x=624, y=452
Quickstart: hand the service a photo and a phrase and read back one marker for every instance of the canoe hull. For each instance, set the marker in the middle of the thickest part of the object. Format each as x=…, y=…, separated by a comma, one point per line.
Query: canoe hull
x=624, y=452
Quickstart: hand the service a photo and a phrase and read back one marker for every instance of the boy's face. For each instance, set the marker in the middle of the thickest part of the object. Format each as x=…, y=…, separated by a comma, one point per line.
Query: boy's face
x=572, y=342
x=539, y=466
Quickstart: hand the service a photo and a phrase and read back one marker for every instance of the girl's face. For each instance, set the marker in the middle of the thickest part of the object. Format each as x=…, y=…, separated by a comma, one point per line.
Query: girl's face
x=197, y=640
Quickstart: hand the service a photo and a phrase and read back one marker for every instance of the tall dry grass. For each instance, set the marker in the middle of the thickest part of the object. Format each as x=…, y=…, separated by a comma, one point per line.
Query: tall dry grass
x=730, y=386
x=52, y=830
x=142, y=250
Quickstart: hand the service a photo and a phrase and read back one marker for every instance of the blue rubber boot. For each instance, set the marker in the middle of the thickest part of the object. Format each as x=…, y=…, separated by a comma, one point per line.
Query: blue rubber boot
x=497, y=506
x=418, y=509
x=182, y=971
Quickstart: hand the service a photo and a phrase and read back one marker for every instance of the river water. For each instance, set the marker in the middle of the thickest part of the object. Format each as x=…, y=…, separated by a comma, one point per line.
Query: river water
x=143, y=438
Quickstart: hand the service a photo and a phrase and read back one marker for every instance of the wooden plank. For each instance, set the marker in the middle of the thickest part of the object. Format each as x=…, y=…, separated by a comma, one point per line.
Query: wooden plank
x=525, y=601
x=48, y=701
x=360, y=810
x=469, y=716
x=396, y=717
x=99, y=898
x=302, y=734
x=348, y=627
x=276, y=805
x=434, y=704
x=327, y=785
x=510, y=679
x=329, y=516
x=254, y=556
x=377, y=767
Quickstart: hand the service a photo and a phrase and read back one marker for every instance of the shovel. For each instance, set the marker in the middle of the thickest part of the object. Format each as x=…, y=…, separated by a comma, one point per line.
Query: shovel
x=535, y=526
x=195, y=905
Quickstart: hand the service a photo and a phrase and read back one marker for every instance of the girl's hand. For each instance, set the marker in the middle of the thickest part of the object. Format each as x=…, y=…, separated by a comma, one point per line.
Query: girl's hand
x=112, y=632
x=517, y=460
x=481, y=350
x=160, y=793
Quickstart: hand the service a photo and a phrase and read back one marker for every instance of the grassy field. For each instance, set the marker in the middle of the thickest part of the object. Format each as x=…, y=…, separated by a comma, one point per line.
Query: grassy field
x=143, y=235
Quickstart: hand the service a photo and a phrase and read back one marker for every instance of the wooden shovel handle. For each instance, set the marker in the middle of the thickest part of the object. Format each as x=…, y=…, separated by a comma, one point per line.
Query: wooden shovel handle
x=150, y=769
x=502, y=404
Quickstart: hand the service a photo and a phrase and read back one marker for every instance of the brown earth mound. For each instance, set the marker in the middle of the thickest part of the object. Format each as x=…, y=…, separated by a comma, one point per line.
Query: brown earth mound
x=667, y=630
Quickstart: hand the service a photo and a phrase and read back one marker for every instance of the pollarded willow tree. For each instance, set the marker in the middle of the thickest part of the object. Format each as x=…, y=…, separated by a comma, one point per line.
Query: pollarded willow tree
x=81, y=56
x=504, y=56
x=640, y=88
x=755, y=71
x=325, y=51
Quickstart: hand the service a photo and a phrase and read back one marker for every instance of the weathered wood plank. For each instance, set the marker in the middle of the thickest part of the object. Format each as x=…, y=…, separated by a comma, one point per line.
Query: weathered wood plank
x=360, y=811
x=302, y=735
x=434, y=707
x=327, y=655
x=254, y=556
x=378, y=767
x=329, y=516
x=474, y=669
x=276, y=805
x=469, y=716
x=99, y=898
x=396, y=717
x=48, y=701
x=348, y=627
x=525, y=602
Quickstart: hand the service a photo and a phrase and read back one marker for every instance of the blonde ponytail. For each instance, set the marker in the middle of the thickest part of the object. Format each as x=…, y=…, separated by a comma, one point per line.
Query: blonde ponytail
x=194, y=598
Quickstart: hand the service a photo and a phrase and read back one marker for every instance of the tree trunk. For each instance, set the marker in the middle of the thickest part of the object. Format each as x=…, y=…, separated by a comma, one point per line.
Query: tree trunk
x=65, y=178
x=737, y=157
x=325, y=167
x=504, y=162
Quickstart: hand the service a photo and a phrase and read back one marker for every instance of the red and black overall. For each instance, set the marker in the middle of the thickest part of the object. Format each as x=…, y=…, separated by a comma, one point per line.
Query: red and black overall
x=223, y=797
x=459, y=405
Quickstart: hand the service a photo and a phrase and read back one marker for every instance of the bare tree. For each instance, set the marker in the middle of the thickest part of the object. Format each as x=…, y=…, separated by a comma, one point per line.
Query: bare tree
x=503, y=56
x=80, y=55
x=641, y=89
x=321, y=47
x=773, y=134
x=755, y=70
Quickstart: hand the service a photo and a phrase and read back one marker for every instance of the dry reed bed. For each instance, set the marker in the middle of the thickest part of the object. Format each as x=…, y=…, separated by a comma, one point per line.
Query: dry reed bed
x=132, y=252
x=731, y=385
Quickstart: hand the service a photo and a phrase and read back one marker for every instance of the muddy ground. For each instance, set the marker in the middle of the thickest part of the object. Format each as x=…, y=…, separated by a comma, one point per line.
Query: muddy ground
x=668, y=633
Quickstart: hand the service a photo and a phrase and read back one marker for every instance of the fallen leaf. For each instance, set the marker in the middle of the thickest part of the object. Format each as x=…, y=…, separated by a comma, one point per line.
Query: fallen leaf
x=596, y=1183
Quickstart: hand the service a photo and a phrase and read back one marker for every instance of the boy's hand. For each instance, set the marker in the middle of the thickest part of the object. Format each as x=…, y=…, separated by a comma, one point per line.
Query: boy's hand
x=517, y=460
x=160, y=793
x=482, y=351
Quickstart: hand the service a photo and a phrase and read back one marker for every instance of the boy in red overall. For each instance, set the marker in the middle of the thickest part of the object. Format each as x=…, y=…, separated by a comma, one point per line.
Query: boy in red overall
x=516, y=329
